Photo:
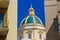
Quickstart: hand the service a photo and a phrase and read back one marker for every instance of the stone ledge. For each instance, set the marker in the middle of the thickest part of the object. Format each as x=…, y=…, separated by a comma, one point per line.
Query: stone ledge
x=50, y=3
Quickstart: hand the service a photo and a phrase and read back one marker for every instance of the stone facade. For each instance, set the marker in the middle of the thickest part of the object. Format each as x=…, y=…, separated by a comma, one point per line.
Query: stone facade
x=9, y=9
x=52, y=17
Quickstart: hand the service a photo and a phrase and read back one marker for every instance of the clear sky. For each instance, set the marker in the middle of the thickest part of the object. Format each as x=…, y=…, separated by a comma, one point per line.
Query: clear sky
x=24, y=5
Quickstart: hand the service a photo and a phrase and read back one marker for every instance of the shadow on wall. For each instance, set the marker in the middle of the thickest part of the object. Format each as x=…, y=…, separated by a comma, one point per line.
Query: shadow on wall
x=53, y=33
x=2, y=37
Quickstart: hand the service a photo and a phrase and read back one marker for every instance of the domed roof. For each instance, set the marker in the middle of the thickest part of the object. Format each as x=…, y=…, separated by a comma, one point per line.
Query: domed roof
x=31, y=18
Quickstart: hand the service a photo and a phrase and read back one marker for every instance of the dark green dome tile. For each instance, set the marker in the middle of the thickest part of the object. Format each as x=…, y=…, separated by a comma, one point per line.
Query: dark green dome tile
x=30, y=19
x=37, y=20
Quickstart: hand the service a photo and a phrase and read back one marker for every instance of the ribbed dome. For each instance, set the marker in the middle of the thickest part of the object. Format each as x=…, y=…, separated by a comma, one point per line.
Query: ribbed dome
x=31, y=18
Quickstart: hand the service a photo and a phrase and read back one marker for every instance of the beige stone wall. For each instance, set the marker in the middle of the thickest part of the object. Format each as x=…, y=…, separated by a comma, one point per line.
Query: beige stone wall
x=12, y=19
x=50, y=13
x=59, y=16
x=58, y=4
x=59, y=22
x=35, y=34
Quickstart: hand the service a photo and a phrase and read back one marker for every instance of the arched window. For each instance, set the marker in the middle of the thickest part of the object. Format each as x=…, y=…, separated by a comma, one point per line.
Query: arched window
x=40, y=36
x=29, y=36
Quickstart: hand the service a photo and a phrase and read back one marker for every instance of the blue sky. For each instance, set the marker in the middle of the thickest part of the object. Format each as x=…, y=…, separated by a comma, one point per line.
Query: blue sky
x=24, y=5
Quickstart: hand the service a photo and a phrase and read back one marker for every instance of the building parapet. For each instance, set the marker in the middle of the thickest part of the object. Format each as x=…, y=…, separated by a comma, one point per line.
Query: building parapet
x=50, y=3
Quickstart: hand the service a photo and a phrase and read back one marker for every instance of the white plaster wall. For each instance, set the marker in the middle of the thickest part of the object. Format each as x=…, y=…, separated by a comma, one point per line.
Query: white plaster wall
x=12, y=19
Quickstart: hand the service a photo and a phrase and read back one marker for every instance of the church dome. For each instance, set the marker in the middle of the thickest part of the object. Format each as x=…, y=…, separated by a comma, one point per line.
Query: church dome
x=31, y=18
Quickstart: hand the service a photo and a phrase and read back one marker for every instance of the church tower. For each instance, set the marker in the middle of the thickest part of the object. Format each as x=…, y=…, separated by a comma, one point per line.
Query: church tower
x=32, y=28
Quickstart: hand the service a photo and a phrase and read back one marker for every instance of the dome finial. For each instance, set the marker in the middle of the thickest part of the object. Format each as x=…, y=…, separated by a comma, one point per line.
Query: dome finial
x=31, y=10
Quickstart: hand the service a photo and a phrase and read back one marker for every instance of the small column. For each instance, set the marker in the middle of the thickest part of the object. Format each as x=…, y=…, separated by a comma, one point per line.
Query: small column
x=24, y=34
